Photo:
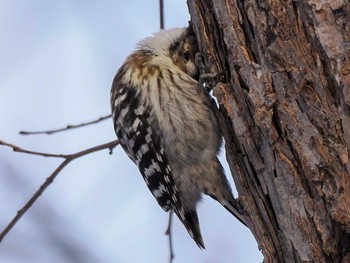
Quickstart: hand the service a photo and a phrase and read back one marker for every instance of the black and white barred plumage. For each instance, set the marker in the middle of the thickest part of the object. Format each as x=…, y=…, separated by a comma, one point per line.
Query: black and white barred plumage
x=166, y=124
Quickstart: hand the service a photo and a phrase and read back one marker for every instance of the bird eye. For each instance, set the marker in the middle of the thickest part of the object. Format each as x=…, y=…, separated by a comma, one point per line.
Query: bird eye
x=186, y=56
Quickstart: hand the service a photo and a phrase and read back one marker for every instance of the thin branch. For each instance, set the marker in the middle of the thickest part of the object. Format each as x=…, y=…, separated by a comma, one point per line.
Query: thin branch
x=161, y=14
x=68, y=127
x=168, y=233
x=50, y=179
x=16, y=148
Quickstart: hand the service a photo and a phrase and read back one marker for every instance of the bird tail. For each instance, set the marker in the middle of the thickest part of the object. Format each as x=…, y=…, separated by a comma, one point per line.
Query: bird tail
x=190, y=220
x=232, y=207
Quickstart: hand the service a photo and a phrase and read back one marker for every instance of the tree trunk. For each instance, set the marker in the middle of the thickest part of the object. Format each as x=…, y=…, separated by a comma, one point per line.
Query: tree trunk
x=285, y=98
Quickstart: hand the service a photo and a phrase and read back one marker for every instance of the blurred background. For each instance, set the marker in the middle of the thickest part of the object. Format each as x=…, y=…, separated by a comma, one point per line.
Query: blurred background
x=57, y=63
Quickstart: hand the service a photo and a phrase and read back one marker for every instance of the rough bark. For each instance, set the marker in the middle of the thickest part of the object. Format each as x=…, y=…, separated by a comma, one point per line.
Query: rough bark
x=285, y=99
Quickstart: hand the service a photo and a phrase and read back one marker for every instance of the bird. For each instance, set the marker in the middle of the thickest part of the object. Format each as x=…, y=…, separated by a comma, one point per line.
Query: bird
x=165, y=122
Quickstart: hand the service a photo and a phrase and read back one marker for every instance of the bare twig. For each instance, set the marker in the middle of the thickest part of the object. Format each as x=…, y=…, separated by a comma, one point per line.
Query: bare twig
x=168, y=233
x=68, y=127
x=50, y=179
x=15, y=148
x=161, y=14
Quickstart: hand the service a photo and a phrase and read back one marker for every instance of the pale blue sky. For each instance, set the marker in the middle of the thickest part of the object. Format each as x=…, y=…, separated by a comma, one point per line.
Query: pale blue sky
x=57, y=62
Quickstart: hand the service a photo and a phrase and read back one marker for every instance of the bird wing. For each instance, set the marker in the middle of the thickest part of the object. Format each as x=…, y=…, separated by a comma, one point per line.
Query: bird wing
x=133, y=126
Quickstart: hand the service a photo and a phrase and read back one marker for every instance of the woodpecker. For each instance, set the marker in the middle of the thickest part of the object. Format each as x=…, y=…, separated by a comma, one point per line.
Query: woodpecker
x=165, y=122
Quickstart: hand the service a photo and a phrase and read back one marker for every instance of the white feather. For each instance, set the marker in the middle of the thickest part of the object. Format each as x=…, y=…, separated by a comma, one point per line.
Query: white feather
x=160, y=42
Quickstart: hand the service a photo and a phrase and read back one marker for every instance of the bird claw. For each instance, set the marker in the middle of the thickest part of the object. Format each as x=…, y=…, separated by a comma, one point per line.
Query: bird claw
x=207, y=80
